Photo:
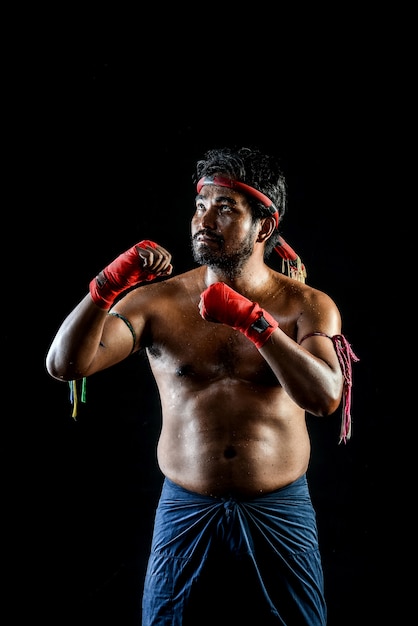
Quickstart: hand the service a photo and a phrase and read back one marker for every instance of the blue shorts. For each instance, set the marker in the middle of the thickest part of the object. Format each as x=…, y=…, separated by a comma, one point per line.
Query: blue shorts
x=234, y=561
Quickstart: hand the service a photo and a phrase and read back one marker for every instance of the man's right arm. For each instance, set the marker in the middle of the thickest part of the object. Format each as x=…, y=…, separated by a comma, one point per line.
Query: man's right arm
x=77, y=349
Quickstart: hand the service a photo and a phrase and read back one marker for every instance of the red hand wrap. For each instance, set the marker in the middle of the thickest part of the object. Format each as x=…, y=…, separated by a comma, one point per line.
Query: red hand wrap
x=220, y=303
x=125, y=271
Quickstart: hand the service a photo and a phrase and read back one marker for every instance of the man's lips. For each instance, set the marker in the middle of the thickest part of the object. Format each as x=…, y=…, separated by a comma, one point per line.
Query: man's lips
x=207, y=237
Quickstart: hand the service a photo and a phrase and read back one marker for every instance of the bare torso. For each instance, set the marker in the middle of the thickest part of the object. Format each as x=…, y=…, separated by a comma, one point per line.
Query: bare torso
x=228, y=427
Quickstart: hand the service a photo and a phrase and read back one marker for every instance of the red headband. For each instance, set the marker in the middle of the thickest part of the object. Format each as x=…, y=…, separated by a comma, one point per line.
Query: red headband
x=236, y=184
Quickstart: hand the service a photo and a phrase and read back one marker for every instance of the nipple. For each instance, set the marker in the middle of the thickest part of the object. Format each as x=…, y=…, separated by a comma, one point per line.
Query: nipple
x=230, y=452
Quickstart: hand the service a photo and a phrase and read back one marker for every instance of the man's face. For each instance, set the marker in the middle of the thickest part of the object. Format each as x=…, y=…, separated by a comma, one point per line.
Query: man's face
x=222, y=230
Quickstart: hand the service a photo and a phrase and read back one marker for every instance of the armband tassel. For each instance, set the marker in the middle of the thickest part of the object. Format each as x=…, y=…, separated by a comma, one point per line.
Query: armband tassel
x=77, y=395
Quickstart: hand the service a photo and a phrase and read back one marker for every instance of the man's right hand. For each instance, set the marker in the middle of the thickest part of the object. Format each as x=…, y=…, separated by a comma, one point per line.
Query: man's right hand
x=145, y=261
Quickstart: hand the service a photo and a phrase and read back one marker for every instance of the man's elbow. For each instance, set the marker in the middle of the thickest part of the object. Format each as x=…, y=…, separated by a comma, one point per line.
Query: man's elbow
x=58, y=371
x=326, y=405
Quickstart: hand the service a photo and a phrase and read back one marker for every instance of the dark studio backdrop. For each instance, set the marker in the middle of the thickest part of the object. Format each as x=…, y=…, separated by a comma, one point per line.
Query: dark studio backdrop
x=104, y=155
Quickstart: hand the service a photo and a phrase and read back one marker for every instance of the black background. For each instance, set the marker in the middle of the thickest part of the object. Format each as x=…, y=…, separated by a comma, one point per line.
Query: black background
x=101, y=155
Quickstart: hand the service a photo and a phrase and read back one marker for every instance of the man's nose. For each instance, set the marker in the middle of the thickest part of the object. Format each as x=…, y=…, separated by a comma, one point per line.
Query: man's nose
x=209, y=218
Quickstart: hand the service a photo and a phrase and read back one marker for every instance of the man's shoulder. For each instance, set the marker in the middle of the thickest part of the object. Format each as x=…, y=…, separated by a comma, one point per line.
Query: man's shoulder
x=183, y=279
x=296, y=289
x=170, y=286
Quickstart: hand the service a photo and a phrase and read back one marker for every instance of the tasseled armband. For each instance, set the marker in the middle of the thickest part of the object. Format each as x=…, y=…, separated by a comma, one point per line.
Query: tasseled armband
x=345, y=357
x=74, y=392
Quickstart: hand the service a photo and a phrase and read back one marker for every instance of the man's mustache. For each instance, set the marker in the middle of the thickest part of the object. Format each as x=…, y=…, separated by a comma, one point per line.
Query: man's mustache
x=208, y=233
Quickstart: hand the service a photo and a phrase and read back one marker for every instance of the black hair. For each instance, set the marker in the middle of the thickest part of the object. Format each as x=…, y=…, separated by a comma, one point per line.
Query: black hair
x=254, y=168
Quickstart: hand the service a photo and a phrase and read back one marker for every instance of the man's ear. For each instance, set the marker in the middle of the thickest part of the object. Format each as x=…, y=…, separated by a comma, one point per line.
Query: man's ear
x=267, y=226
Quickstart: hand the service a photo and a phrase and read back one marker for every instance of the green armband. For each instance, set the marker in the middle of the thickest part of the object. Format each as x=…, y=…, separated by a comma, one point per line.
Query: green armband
x=129, y=325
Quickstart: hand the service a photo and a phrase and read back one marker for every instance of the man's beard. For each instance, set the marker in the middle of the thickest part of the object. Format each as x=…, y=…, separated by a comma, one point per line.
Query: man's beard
x=231, y=264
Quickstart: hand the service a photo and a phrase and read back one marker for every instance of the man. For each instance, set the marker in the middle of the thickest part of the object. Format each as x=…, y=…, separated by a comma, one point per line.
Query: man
x=239, y=352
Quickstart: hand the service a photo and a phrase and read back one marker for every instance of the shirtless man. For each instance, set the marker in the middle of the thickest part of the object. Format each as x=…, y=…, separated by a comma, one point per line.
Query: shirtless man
x=239, y=352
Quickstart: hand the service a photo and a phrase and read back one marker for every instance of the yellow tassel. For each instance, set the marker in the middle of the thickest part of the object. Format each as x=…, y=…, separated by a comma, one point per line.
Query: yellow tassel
x=74, y=395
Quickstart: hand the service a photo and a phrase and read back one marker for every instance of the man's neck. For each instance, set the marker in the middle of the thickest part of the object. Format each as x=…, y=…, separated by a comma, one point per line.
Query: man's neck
x=251, y=278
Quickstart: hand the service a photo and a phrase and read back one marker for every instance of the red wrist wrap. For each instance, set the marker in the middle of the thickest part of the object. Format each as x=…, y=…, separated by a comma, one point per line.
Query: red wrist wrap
x=220, y=303
x=125, y=271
